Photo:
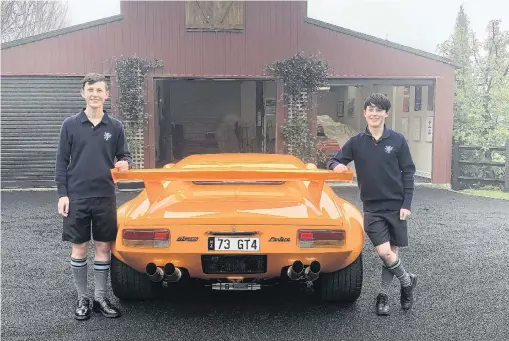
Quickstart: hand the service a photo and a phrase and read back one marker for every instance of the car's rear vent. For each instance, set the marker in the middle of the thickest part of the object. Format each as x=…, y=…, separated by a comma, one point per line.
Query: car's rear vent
x=230, y=233
x=234, y=264
x=238, y=182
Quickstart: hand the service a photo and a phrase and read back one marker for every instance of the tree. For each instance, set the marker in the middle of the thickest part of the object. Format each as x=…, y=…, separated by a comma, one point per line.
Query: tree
x=21, y=19
x=459, y=45
x=492, y=65
x=459, y=48
x=481, y=105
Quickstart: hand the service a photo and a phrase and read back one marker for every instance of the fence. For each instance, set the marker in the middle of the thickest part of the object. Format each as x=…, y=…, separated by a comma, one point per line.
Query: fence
x=497, y=174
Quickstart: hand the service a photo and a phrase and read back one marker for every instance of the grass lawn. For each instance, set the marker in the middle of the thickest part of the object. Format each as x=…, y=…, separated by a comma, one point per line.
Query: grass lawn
x=487, y=193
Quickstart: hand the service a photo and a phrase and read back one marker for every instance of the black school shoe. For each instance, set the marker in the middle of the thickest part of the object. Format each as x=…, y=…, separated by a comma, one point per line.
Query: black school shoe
x=105, y=307
x=407, y=293
x=382, y=305
x=83, y=311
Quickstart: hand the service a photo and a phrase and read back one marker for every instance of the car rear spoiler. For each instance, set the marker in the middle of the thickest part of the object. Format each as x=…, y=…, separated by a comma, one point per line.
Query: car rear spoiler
x=153, y=178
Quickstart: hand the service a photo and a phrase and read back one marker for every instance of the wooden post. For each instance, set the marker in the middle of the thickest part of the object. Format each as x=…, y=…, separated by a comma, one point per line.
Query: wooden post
x=455, y=183
x=280, y=118
x=506, y=175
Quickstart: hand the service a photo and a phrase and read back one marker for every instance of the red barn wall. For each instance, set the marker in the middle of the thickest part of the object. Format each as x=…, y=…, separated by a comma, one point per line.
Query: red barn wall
x=353, y=57
x=156, y=30
x=272, y=30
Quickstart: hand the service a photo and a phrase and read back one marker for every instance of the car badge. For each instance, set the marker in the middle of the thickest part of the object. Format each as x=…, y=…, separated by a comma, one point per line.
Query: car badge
x=234, y=229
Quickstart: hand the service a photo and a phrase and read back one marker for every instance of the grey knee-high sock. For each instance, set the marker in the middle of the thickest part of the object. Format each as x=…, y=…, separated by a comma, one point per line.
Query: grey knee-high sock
x=398, y=271
x=79, y=272
x=386, y=280
x=101, y=270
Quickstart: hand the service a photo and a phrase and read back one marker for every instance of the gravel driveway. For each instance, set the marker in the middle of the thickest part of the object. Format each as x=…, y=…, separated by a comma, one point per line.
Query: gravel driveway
x=459, y=247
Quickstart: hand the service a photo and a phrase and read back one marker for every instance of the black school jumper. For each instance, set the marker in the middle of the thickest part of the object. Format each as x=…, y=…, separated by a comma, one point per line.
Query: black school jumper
x=85, y=157
x=385, y=176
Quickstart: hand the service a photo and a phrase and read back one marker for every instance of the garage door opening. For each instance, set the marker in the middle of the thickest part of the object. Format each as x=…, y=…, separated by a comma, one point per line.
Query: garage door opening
x=341, y=114
x=204, y=116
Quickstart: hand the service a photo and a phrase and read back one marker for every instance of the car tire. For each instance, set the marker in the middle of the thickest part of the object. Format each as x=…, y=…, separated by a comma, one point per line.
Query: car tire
x=342, y=286
x=128, y=284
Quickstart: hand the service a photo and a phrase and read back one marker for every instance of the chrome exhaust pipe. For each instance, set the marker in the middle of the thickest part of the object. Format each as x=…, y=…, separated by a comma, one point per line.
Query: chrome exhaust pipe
x=295, y=270
x=312, y=271
x=154, y=272
x=172, y=273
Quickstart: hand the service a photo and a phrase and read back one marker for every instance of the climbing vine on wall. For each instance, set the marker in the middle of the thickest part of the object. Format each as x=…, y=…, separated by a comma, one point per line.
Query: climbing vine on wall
x=131, y=73
x=300, y=76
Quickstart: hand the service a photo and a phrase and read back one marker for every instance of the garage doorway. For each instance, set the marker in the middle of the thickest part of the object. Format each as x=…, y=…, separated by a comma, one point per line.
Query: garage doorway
x=341, y=113
x=210, y=116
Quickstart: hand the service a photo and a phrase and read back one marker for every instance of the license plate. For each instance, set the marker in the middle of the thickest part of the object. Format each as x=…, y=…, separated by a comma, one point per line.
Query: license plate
x=236, y=286
x=234, y=244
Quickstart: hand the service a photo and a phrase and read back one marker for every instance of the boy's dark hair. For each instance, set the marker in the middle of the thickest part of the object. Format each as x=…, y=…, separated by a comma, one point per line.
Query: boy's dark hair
x=378, y=100
x=93, y=78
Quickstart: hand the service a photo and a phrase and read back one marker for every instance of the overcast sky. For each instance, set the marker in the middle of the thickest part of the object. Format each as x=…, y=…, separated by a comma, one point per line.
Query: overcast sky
x=420, y=24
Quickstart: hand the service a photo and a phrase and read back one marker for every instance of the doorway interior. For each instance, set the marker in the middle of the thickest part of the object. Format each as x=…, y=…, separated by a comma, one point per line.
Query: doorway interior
x=208, y=116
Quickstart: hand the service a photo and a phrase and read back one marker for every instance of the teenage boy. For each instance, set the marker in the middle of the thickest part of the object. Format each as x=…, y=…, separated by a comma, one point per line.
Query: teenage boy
x=89, y=143
x=385, y=173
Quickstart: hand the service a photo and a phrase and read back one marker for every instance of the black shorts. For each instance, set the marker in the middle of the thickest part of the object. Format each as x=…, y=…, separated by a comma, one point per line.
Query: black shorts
x=92, y=215
x=385, y=226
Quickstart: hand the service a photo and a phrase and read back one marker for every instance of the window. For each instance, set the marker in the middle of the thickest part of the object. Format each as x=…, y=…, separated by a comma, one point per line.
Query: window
x=406, y=99
x=214, y=15
x=431, y=98
x=418, y=98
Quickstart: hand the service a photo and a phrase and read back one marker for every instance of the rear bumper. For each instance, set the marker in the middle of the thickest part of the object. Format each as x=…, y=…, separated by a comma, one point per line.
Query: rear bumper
x=261, y=266
x=277, y=244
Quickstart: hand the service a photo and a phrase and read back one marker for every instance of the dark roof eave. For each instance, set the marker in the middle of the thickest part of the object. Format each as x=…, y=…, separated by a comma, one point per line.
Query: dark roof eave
x=383, y=42
x=61, y=31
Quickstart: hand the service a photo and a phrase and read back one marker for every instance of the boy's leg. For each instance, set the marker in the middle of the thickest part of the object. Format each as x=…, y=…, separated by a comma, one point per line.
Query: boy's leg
x=387, y=234
x=399, y=238
x=386, y=281
x=76, y=229
x=79, y=266
x=387, y=275
x=104, y=229
x=378, y=232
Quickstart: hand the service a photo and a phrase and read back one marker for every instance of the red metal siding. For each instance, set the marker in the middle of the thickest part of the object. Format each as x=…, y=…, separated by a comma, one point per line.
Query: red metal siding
x=352, y=57
x=157, y=30
x=273, y=30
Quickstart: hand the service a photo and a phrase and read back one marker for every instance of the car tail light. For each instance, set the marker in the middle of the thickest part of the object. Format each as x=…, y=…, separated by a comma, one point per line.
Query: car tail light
x=146, y=238
x=320, y=238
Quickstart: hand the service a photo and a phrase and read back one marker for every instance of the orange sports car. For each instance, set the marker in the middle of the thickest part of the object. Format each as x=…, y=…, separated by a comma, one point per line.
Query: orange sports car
x=237, y=222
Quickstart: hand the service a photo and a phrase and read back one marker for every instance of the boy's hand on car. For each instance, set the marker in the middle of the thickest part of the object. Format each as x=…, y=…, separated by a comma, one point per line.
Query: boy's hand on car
x=122, y=165
x=340, y=168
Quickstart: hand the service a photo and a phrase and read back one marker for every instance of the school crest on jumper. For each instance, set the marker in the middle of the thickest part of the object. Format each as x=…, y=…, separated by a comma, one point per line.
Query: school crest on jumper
x=107, y=136
x=388, y=149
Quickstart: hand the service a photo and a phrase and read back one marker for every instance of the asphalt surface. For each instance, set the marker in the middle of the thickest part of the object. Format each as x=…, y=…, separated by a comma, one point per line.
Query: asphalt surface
x=459, y=247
